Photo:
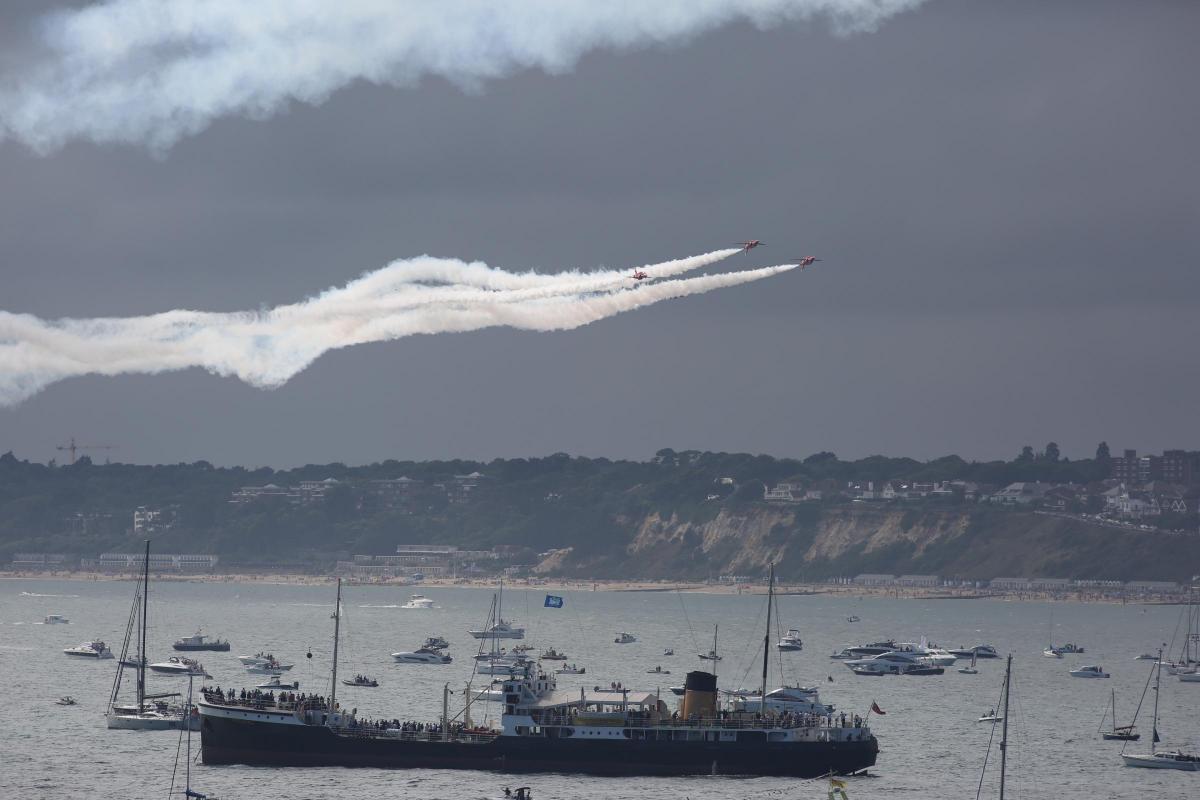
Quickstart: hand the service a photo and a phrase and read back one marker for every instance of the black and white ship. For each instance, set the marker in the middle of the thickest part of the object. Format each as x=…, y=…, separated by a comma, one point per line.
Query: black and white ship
x=613, y=731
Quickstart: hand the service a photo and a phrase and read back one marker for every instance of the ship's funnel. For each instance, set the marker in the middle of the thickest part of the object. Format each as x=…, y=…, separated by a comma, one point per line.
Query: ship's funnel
x=700, y=695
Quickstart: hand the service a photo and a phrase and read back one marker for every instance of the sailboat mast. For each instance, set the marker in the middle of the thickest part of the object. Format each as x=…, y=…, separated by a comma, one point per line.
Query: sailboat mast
x=141, y=656
x=767, y=638
x=1157, y=682
x=1004, y=734
x=714, y=650
x=337, y=621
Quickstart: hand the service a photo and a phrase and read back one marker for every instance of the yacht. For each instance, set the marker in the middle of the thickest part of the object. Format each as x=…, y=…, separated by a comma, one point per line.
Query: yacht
x=422, y=655
x=895, y=662
x=872, y=649
x=55, y=619
x=1089, y=672
x=179, y=665
x=96, y=649
x=1163, y=759
x=799, y=699
x=790, y=641
x=418, y=601
x=198, y=641
x=625, y=638
x=932, y=653
x=276, y=684
x=979, y=651
x=501, y=630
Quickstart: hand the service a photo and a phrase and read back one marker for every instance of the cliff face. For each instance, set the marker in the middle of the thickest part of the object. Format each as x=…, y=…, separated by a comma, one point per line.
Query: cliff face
x=814, y=541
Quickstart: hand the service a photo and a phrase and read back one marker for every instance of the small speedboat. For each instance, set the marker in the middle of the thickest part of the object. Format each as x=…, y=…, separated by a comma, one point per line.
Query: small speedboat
x=275, y=683
x=1090, y=671
x=990, y=717
x=261, y=658
x=570, y=669
x=658, y=671
x=178, y=665
x=711, y=655
x=362, y=680
x=553, y=655
x=677, y=690
x=55, y=619
x=853, y=618
x=418, y=601
x=1052, y=652
x=668, y=652
x=625, y=638
x=1145, y=657
x=268, y=666
x=521, y=648
x=96, y=649
x=67, y=700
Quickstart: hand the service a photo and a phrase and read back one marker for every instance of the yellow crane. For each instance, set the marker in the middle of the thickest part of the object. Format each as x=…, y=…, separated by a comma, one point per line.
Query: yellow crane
x=73, y=448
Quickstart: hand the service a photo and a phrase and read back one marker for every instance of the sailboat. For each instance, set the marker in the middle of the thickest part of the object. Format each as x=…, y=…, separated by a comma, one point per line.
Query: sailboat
x=1003, y=733
x=1123, y=733
x=151, y=712
x=1161, y=759
x=189, y=711
x=1189, y=654
x=971, y=669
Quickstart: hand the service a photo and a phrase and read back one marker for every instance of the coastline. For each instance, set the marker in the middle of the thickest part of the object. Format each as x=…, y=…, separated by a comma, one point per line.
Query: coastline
x=848, y=591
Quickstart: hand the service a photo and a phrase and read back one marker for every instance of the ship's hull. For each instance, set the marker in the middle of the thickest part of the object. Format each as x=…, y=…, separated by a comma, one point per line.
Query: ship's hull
x=227, y=740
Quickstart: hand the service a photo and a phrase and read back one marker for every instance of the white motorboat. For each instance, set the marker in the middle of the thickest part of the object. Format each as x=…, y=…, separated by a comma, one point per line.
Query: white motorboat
x=1163, y=759
x=1051, y=652
x=797, y=699
x=275, y=683
x=1091, y=671
x=890, y=663
x=501, y=630
x=790, y=641
x=1145, y=657
x=418, y=601
x=261, y=658
x=625, y=638
x=991, y=716
x=1189, y=677
x=931, y=653
x=55, y=619
x=669, y=652
x=711, y=655
x=269, y=666
x=179, y=665
x=67, y=700
x=422, y=655
x=96, y=649
x=570, y=669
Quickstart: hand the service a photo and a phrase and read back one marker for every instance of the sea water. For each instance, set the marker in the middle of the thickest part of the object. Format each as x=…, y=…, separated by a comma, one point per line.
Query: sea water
x=931, y=744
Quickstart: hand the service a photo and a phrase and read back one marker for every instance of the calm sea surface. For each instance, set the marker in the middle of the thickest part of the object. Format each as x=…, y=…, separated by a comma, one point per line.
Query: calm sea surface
x=931, y=744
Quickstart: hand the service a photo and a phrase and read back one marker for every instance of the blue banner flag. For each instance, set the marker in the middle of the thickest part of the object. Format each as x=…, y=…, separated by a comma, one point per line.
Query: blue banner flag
x=553, y=602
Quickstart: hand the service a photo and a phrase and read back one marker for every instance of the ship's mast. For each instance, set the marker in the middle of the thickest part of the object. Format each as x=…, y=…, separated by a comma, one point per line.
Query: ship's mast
x=141, y=667
x=1004, y=734
x=767, y=639
x=1157, y=682
x=337, y=620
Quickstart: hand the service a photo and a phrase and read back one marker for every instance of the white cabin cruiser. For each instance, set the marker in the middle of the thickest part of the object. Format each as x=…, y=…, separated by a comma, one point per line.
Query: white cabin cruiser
x=798, y=699
x=179, y=665
x=96, y=649
x=1090, y=671
x=55, y=619
x=418, y=601
x=501, y=630
x=625, y=638
x=790, y=641
x=422, y=655
x=261, y=658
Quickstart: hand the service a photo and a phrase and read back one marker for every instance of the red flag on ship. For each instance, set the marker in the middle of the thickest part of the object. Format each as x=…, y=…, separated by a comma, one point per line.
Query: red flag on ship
x=875, y=707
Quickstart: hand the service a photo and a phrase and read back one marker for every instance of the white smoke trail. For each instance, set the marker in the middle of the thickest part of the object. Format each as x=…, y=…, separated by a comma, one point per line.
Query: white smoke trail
x=153, y=71
x=267, y=348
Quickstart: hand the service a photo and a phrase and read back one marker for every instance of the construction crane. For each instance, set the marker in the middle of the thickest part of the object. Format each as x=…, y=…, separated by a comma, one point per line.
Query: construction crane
x=72, y=448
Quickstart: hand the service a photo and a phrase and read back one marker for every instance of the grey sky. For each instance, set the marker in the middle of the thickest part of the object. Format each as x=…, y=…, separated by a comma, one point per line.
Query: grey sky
x=1006, y=196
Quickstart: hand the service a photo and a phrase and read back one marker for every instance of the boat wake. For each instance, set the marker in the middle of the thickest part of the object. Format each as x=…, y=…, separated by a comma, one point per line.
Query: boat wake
x=35, y=594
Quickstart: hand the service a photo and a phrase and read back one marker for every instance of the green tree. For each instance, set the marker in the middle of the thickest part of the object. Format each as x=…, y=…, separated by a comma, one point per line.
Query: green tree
x=1026, y=454
x=1052, y=454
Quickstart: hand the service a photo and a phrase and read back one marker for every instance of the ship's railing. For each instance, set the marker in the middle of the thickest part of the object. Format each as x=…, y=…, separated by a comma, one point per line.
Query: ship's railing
x=400, y=735
x=811, y=722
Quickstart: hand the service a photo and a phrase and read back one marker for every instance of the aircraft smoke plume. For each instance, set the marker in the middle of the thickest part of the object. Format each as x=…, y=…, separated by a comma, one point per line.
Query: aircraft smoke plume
x=154, y=71
x=266, y=348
